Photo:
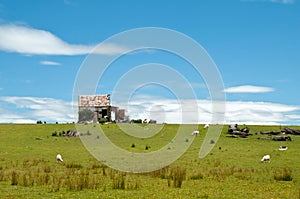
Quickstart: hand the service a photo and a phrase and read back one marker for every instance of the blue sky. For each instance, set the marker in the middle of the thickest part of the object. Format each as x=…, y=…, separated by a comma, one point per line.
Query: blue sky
x=254, y=43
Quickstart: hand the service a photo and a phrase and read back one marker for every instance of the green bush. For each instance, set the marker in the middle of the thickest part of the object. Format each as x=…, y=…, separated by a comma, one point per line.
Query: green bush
x=54, y=133
x=138, y=121
x=103, y=120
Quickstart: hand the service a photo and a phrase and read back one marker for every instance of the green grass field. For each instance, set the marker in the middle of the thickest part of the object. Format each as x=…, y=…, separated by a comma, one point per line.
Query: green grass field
x=28, y=168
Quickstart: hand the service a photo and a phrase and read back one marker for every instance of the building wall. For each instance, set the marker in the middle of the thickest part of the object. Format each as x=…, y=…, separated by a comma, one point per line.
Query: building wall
x=100, y=112
x=100, y=105
x=121, y=114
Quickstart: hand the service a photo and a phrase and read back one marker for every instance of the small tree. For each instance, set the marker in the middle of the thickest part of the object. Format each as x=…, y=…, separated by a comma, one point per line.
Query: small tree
x=103, y=120
x=152, y=121
x=139, y=121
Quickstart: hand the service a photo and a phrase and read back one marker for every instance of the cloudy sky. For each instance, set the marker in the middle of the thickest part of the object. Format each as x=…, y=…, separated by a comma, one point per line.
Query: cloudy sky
x=254, y=44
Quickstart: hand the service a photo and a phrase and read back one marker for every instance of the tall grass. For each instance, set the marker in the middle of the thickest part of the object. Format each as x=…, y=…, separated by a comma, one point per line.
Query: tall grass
x=178, y=175
x=2, y=175
x=162, y=173
x=197, y=176
x=118, y=181
x=284, y=174
x=80, y=182
x=235, y=164
x=73, y=165
x=14, y=178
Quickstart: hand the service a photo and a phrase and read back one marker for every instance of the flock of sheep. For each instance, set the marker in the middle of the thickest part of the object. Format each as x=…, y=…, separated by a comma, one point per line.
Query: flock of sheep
x=265, y=158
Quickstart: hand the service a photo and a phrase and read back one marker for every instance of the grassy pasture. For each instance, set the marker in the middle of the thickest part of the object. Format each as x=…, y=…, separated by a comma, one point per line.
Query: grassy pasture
x=231, y=170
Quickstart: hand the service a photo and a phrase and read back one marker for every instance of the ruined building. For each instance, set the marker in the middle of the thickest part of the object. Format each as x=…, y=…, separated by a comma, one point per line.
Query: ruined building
x=100, y=105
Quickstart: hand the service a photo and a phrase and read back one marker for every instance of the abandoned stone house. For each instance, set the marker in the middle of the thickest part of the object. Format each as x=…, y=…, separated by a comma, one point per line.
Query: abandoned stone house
x=101, y=106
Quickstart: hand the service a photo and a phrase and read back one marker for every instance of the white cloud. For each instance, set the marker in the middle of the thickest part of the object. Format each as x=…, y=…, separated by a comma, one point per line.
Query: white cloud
x=244, y=112
x=31, y=109
x=260, y=113
x=248, y=89
x=26, y=40
x=50, y=63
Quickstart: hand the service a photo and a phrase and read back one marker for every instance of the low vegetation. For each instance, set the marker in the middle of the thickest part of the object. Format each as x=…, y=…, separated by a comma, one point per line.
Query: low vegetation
x=28, y=168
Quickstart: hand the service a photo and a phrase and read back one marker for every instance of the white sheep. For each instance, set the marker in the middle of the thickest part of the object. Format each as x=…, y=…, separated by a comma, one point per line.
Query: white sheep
x=59, y=158
x=266, y=158
x=283, y=148
x=206, y=126
x=195, y=133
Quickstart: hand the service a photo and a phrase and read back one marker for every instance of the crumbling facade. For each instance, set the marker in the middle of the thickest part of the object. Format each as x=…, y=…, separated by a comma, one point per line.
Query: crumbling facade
x=101, y=106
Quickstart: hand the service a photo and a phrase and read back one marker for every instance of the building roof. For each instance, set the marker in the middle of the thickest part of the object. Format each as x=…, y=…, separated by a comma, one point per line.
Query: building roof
x=94, y=100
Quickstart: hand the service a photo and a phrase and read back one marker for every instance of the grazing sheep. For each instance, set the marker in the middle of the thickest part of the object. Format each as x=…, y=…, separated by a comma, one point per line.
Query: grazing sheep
x=195, y=133
x=206, y=126
x=266, y=158
x=59, y=158
x=283, y=148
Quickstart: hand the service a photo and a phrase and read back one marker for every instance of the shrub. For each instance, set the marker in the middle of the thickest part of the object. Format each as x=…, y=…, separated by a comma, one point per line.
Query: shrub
x=138, y=121
x=103, y=120
x=54, y=133
x=152, y=121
